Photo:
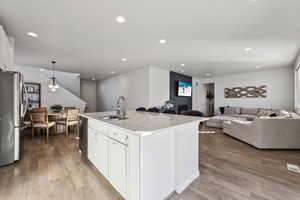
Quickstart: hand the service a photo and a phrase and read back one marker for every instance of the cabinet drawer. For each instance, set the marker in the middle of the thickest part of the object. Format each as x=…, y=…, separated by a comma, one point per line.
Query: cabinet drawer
x=98, y=126
x=118, y=135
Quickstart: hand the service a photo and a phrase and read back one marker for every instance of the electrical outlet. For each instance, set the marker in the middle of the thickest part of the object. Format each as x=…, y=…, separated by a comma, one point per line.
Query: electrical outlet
x=293, y=168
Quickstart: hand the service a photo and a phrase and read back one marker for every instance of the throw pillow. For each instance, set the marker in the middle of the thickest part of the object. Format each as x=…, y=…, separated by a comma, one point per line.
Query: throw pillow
x=265, y=112
x=231, y=110
x=273, y=114
x=294, y=115
x=283, y=114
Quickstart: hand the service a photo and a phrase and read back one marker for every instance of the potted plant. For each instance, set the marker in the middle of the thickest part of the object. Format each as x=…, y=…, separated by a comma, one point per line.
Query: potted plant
x=56, y=108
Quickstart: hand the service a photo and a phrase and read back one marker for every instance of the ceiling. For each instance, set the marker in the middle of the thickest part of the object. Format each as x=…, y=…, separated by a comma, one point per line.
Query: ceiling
x=209, y=36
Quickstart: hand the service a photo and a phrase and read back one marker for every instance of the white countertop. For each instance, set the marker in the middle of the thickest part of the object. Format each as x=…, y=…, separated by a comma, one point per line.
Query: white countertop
x=145, y=121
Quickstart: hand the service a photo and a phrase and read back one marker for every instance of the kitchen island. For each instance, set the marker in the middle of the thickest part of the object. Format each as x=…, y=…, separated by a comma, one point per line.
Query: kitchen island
x=145, y=156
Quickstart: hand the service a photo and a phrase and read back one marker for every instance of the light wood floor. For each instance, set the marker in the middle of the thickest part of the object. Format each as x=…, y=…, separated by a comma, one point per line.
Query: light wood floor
x=230, y=170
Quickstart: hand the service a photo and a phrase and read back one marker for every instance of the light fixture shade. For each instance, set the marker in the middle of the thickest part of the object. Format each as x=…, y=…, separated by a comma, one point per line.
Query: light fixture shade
x=53, y=86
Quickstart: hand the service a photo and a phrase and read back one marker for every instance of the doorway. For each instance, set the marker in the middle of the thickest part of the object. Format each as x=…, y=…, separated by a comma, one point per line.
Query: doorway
x=209, y=89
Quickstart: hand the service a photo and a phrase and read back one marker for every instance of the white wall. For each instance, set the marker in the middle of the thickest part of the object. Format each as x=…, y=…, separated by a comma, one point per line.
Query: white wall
x=159, y=86
x=62, y=96
x=145, y=87
x=88, y=90
x=279, y=82
x=6, y=51
x=132, y=85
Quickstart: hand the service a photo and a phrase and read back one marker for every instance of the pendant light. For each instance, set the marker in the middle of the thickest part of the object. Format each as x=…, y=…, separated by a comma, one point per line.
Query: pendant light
x=53, y=86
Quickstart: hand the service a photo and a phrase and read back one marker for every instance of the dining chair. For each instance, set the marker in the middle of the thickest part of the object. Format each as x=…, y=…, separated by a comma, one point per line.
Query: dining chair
x=141, y=109
x=154, y=109
x=72, y=119
x=64, y=115
x=69, y=107
x=194, y=113
x=169, y=112
x=39, y=120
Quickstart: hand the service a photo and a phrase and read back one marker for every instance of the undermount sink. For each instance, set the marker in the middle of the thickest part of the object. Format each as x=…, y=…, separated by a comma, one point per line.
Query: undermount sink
x=112, y=117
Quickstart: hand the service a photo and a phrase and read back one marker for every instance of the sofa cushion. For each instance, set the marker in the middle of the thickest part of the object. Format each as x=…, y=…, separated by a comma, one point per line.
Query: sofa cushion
x=283, y=114
x=221, y=118
x=248, y=117
x=232, y=110
x=265, y=112
x=249, y=123
x=294, y=115
x=249, y=111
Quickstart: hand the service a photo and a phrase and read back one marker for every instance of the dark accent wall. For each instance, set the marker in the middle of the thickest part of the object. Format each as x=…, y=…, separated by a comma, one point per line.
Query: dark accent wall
x=174, y=78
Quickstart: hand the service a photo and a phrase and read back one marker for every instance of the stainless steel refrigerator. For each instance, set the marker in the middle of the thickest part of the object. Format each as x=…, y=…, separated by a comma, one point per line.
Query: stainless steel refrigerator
x=13, y=105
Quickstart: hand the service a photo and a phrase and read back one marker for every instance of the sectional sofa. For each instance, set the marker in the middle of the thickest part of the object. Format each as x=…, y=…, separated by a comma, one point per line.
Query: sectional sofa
x=248, y=113
x=262, y=128
x=237, y=113
x=268, y=133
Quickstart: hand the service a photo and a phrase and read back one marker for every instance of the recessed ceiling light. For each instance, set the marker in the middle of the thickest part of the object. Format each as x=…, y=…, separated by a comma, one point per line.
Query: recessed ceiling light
x=162, y=41
x=248, y=49
x=253, y=0
x=93, y=79
x=113, y=72
x=42, y=70
x=124, y=59
x=208, y=74
x=183, y=65
x=32, y=34
x=258, y=67
x=120, y=19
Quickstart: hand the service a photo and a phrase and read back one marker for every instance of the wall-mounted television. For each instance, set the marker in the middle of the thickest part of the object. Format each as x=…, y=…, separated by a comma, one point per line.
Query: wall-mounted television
x=184, y=89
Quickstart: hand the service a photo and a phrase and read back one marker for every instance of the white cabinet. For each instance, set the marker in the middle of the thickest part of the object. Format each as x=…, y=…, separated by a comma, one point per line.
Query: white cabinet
x=108, y=150
x=102, y=153
x=92, y=146
x=144, y=165
x=97, y=150
x=118, y=166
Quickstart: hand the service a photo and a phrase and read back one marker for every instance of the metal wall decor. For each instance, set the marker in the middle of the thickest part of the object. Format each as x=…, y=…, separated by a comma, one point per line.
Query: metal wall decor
x=246, y=92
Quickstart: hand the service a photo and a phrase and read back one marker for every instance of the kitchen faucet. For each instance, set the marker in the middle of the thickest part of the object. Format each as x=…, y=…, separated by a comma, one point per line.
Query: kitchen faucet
x=121, y=108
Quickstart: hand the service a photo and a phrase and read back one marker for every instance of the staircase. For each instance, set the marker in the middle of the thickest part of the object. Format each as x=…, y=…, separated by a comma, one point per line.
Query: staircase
x=62, y=95
x=65, y=98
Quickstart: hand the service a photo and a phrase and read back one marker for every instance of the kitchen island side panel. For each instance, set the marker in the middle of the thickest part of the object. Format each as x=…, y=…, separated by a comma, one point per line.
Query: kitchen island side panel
x=157, y=165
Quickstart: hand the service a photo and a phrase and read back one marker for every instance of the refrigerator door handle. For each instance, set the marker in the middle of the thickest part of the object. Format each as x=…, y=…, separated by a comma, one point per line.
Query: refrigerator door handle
x=26, y=102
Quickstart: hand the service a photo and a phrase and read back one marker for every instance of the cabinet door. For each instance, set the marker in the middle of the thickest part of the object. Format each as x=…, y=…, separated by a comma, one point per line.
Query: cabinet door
x=118, y=166
x=101, y=153
x=91, y=146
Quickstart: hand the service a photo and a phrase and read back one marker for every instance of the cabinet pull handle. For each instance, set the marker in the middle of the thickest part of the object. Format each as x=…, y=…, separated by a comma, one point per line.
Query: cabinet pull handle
x=114, y=141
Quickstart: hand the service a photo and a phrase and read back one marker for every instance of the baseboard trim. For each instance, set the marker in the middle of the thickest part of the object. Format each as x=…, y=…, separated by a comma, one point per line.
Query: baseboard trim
x=180, y=188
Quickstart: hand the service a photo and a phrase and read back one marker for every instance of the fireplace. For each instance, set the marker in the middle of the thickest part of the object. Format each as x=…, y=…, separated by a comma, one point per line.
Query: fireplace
x=181, y=108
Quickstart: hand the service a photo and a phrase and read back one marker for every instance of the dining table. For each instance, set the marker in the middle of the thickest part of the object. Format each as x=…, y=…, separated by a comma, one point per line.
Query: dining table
x=55, y=116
